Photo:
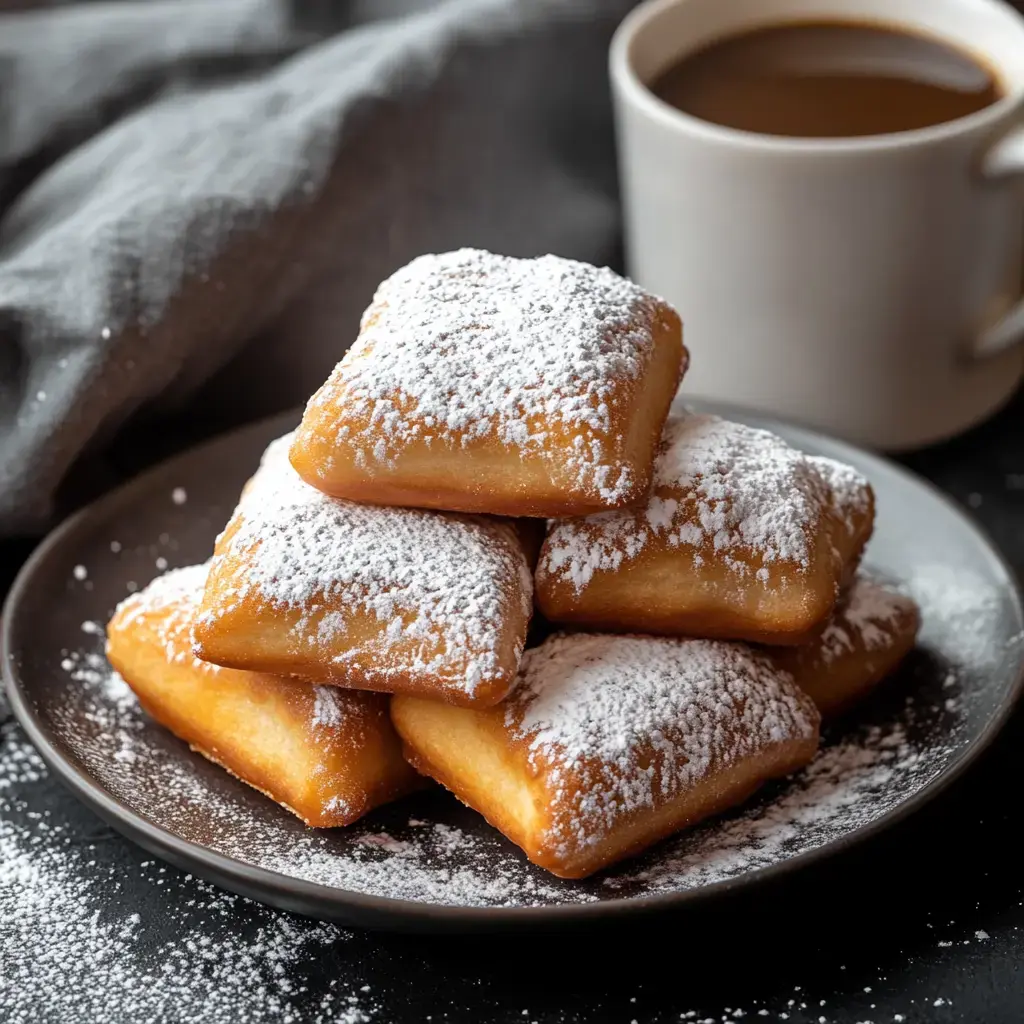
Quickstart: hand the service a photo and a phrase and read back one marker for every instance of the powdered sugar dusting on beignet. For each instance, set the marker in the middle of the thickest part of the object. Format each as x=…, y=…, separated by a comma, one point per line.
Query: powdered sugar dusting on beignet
x=425, y=576
x=626, y=723
x=871, y=615
x=468, y=345
x=169, y=604
x=184, y=584
x=741, y=492
x=851, y=494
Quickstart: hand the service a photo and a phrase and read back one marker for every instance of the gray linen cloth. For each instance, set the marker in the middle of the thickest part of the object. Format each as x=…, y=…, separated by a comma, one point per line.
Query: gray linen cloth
x=198, y=197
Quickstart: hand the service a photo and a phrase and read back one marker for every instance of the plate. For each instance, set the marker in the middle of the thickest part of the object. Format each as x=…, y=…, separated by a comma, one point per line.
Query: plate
x=427, y=863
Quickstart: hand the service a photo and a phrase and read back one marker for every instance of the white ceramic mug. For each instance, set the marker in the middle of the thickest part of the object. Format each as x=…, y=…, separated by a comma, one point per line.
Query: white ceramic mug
x=867, y=286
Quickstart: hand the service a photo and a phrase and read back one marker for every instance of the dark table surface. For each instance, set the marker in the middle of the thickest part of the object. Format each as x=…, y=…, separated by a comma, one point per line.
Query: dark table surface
x=925, y=923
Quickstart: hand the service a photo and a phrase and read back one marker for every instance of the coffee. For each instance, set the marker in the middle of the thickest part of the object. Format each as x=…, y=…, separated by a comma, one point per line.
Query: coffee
x=828, y=79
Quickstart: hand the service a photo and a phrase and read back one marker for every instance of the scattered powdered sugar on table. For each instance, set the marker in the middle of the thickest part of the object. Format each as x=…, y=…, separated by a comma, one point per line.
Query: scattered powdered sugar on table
x=441, y=585
x=466, y=346
x=72, y=949
x=742, y=491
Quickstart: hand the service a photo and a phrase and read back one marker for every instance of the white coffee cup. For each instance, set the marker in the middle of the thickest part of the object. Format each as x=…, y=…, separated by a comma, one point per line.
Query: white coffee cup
x=866, y=286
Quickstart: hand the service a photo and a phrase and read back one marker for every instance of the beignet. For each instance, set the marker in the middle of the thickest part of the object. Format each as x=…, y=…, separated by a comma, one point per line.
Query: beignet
x=482, y=383
x=389, y=599
x=328, y=755
x=610, y=743
x=742, y=538
x=872, y=630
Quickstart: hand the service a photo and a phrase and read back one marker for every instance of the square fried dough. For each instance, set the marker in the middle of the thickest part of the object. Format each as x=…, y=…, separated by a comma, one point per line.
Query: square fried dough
x=610, y=743
x=742, y=538
x=482, y=383
x=872, y=630
x=327, y=755
x=390, y=599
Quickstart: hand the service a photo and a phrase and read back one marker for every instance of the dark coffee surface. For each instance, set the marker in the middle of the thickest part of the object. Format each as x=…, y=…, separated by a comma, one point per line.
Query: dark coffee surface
x=828, y=79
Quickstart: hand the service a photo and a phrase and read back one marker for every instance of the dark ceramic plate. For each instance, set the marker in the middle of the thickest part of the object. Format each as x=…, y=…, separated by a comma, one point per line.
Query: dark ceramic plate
x=426, y=862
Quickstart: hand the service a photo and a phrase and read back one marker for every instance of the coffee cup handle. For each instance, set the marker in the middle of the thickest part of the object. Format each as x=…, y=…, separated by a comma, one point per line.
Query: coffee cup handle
x=1002, y=164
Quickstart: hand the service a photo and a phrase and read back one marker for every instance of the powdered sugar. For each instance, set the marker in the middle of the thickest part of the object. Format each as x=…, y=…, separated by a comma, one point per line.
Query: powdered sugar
x=163, y=592
x=851, y=496
x=752, y=489
x=468, y=346
x=438, y=863
x=963, y=613
x=327, y=709
x=441, y=585
x=871, y=611
x=600, y=696
x=635, y=721
x=174, y=597
x=741, y=491
x=73, y=948
x=847, y=786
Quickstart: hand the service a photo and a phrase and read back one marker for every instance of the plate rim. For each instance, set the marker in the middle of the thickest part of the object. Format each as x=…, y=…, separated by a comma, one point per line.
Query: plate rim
x=354, y=908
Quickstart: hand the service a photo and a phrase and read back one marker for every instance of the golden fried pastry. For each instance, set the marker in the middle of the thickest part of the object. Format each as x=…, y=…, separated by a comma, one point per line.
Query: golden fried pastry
x=397, y=600
x=483, y=383
x=610, y=743
x=871, y=632
x=742, y=538
x=328, y=755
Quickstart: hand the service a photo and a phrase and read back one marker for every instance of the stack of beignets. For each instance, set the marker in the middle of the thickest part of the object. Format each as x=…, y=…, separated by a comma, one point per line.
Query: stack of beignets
x=704, y=572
